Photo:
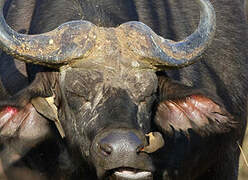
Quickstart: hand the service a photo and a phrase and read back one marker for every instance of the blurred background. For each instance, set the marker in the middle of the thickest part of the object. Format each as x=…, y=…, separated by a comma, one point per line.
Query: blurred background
x=243, y=170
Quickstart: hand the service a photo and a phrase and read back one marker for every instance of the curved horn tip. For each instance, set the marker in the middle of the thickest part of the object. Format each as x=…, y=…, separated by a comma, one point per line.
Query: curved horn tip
x=162, y=52
x=47, y=49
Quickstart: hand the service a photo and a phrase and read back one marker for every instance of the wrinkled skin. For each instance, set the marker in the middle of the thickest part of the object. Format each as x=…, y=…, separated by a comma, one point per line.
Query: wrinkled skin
x=137, y=97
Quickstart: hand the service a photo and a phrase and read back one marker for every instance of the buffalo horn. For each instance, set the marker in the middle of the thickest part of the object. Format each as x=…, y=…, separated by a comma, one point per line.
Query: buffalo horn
x=159, y=51
x=66, y=43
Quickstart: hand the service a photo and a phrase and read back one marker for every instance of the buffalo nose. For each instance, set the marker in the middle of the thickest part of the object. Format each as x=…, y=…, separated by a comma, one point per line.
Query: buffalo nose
x=120, y=151
x=120, y=143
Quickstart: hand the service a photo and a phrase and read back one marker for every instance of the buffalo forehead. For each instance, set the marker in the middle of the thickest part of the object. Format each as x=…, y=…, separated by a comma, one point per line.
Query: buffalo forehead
x=86, y=83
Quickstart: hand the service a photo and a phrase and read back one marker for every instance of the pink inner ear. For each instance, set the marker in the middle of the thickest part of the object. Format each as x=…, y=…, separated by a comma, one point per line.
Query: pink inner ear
x=6, y=114
x=11, y=110
x=25, y=123
x=190, y=112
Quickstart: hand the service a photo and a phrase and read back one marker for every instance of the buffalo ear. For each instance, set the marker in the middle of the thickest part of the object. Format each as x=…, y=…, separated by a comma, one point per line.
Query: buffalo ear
x=22, y=123
x=20, y=130
x=183, y=108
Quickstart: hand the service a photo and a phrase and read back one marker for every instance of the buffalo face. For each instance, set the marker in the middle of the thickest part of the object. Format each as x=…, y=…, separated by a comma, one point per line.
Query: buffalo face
x=109, y=115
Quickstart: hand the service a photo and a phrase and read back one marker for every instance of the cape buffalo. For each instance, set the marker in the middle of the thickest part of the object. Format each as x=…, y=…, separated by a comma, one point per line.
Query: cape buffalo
x=114, y=89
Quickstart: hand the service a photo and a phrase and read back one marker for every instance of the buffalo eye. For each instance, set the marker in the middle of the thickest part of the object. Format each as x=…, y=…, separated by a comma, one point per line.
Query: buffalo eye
x=75, y=101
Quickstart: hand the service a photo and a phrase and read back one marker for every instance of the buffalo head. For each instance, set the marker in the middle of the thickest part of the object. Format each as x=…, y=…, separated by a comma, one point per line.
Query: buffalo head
x=114, y=109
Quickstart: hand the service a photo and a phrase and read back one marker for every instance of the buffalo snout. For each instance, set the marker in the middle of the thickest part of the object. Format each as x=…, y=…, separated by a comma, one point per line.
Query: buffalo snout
x=117, y=154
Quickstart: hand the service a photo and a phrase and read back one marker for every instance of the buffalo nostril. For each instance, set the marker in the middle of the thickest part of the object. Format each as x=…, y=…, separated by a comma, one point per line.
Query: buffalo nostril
x=105, y=149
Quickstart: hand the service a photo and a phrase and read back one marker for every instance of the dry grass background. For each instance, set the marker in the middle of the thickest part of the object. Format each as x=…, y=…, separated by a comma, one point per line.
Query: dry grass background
x=243, y=170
